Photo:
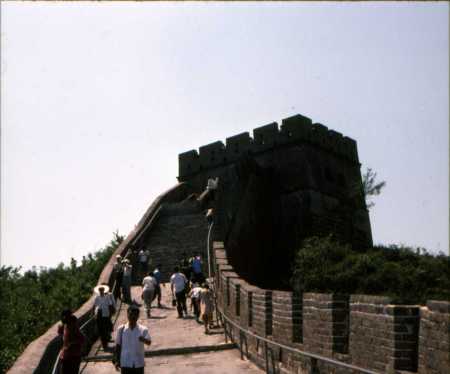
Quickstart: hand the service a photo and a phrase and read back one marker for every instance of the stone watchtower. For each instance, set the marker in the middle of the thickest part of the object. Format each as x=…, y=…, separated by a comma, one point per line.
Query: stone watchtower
x=281, y=186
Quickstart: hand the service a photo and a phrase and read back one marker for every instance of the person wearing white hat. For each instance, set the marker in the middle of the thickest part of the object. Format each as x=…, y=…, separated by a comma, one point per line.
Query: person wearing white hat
x=103, y=308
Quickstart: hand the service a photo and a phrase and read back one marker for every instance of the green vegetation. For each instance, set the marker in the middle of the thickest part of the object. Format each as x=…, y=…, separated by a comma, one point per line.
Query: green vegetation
x=371, y=187
x=409, y=276
x=32, y=302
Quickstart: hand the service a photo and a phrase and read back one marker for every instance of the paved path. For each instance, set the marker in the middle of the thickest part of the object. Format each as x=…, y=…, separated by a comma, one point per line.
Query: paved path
x=172, y=338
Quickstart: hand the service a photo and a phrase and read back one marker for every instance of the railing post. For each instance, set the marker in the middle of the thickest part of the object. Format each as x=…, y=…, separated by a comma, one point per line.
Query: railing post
x=313, y=369
x=241, y=340
x=266, y=357
x=225, y=330
x=272, y=359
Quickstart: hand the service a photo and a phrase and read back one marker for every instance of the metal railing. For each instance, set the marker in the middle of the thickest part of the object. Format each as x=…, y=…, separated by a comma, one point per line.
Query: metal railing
x=57, y=363
x=268, y=344
x=208, y=248
x=149, y=223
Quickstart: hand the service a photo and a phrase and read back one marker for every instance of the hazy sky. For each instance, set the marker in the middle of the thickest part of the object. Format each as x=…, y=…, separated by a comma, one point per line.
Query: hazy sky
x=98, y=99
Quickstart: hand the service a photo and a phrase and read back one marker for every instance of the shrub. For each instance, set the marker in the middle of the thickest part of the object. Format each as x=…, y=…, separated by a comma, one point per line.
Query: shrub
x=408, y=275
x=32, y=302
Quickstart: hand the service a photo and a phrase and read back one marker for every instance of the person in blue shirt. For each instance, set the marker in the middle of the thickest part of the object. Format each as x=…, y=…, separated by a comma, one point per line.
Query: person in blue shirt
x=197, y=269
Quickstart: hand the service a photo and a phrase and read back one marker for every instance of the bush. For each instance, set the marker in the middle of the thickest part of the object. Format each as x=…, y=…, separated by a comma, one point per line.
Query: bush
x=407, y=275
x=32, y=302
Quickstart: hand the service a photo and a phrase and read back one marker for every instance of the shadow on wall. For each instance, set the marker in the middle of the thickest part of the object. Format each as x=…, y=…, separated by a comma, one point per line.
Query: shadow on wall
x=260, y=231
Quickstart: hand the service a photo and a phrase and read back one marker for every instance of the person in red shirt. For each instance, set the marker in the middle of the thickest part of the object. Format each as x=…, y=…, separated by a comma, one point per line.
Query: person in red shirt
x=73, y=340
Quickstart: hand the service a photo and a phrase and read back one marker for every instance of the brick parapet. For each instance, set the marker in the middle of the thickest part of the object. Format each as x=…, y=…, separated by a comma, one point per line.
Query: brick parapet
x=390, y=330
x=363, y=330
x=325, y=323
x=293, y=130
x=287, y=317
x=434, y=338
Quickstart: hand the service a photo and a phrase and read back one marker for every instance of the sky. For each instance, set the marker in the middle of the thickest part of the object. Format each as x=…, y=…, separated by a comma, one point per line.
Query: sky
x=98, y=100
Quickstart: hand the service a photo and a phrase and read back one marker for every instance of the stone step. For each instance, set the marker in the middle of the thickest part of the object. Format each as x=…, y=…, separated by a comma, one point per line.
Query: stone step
x=170, y=351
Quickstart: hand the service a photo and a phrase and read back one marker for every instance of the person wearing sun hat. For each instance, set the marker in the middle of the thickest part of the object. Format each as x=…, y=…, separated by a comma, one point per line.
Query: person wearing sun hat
x=103, y=307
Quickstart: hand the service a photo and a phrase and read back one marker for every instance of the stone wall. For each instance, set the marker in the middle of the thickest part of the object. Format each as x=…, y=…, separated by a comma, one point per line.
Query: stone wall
x=361, y=330
x=283, y=185
x=390, y=330
x=40, y=355
x=434, y=338
x=174, y=236
x=294, y=129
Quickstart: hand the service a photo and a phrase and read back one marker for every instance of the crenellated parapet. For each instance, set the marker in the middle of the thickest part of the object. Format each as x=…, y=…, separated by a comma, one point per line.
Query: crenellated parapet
x=366, y=331
x=293, y=130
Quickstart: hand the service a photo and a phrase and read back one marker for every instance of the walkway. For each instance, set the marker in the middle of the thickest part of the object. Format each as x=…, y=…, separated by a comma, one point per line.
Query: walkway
x=178, y=345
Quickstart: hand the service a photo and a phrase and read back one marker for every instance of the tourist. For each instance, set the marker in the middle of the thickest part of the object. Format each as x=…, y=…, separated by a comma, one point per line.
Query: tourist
x=178, y=282
x=126, y=280
x=73, y=340
x=118, y=272
x=197, y=275
x=194, y=294
x=143, y=257
x=206, y=306
x=157, y=276
x=148, y=292
x=130, y=340
x=103, y=309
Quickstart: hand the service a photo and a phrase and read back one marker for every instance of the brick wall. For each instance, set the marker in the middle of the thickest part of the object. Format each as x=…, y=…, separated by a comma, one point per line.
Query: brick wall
x=382, y=336
x=174, y=234
x=365, y=331
x=325, y=323
x=287, y=317
x=434, y=338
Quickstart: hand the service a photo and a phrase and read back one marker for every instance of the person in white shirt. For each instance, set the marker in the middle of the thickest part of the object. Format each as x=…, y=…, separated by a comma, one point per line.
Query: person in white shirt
x=143, y=256
x=178, y=283
x=130, y=340
x=103, y=308
x=194, y=294
x=148, y=292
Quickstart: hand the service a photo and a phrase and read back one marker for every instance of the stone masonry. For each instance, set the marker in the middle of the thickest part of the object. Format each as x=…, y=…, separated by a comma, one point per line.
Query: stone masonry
x=174, y=233
x=282, y=185
x=361, y=330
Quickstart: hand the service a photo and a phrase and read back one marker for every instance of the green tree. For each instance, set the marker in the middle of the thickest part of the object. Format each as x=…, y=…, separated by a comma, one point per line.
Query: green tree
x=371, y=187
x=407, y=275
x=31, y=302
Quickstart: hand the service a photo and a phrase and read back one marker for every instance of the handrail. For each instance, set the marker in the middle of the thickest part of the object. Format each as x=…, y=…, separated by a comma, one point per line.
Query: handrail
x=313, y=356
x=147, y=225
x=43, y=351
x=56, y=365
x=58, y=358
x=208, y=248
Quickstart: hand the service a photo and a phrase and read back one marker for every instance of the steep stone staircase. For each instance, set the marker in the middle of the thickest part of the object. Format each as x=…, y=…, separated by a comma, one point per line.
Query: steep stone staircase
x=179, y=229
x=178, y=345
